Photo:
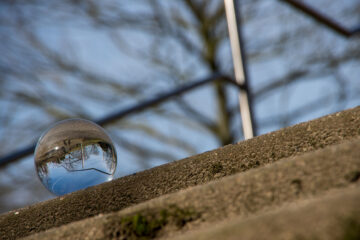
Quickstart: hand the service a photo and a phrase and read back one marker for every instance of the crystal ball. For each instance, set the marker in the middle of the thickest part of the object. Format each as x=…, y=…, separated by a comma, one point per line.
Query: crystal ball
x=74, y=154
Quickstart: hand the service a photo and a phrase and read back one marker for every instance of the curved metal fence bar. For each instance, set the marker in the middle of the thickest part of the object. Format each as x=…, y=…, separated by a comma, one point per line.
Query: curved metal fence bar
x=160, y=98
x=163, y=97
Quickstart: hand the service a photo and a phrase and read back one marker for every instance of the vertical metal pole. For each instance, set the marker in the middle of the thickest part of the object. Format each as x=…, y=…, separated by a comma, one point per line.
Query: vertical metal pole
x=233, y=21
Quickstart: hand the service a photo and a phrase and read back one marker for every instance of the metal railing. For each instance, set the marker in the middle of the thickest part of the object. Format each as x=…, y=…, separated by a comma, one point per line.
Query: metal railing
x=160, y=98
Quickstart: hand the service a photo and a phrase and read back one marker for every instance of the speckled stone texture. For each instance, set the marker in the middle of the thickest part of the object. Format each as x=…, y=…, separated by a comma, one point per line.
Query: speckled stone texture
x=192, y=171
x=335, y=216
x=243, y=194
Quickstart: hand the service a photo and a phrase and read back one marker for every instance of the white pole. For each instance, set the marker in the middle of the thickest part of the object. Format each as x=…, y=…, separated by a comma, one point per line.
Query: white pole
x=239, y=67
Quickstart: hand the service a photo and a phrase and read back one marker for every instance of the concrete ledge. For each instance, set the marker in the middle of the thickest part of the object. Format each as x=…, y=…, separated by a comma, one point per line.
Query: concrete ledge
x=336, y=216
x=243, y=194
x=169, y=178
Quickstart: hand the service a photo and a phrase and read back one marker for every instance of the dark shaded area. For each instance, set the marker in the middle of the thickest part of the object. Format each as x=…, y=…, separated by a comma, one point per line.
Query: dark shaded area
x=353, y=176
x=351, y=228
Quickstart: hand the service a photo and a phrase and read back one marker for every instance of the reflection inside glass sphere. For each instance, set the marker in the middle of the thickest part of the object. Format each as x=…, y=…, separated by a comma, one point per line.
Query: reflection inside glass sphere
x=74, y=154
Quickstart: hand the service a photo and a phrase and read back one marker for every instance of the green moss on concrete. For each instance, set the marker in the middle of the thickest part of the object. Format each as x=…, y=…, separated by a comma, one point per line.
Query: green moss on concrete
x=139, y=225
x=147, y=224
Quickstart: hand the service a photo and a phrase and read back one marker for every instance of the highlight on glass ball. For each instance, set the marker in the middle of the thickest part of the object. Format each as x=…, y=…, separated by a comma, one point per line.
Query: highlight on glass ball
x=74, y=154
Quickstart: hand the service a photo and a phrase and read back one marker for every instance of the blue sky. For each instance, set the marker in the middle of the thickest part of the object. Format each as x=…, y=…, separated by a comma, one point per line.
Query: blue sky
x=93, y=49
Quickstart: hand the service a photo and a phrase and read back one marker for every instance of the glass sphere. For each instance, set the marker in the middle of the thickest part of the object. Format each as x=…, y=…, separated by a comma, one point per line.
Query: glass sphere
x=74, y=154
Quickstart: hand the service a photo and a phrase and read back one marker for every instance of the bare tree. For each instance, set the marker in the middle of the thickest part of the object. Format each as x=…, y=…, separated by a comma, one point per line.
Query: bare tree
x=79, y=58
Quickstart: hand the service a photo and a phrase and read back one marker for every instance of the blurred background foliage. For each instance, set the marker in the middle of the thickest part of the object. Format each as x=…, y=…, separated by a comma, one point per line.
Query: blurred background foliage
x=87, y=58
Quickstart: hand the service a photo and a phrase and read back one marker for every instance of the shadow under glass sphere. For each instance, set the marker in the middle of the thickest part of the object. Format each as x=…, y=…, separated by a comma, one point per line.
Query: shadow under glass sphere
x=74, y=154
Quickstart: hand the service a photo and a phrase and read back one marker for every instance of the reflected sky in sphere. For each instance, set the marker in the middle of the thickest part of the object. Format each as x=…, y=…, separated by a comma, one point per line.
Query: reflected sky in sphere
x=74, y=154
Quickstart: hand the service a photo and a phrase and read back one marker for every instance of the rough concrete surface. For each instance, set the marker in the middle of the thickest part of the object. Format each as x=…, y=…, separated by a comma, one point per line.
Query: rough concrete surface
x=242, y=194
x=332, y=217
x=169, y=178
